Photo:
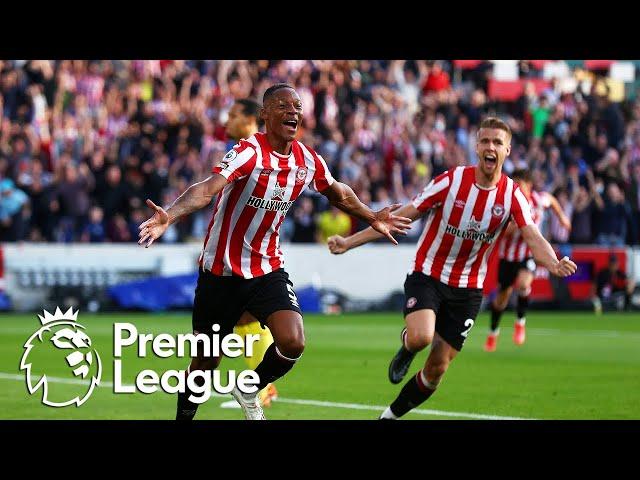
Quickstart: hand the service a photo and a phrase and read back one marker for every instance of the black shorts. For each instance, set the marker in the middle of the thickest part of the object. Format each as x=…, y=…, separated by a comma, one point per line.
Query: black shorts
x=508, y=271
x=223, y=300
x=456, y=308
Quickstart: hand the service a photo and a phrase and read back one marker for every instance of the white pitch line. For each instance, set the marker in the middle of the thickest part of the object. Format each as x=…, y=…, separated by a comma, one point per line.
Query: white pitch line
x=379, y=408
x=316, y=403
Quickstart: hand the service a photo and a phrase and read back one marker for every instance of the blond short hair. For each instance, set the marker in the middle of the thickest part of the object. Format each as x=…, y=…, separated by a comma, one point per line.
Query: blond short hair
x=495, y=122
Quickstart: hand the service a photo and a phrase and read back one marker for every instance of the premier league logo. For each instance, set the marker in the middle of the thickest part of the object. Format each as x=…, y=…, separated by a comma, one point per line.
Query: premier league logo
x=230, y=156
x=61, y=338
x=227, y=159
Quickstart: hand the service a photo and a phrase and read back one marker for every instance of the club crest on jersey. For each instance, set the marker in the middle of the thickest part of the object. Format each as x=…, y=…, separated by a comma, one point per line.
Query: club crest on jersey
x=301, y=175
x=497, y=210
x=459, y=203
x=266, y=171
x=278, y=192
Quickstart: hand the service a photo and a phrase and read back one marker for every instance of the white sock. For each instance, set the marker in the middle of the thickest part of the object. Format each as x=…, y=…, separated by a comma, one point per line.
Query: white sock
x=388, y=414
x=522, y=321
x=248, y=396
x=495, y=332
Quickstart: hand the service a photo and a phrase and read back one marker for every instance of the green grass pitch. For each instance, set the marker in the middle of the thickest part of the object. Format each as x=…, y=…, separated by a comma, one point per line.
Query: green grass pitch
x=573, y=366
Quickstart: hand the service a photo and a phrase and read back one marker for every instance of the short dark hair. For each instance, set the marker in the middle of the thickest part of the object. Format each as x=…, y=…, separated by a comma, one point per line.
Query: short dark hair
x=273, y=89
x=250, y=107
x=522, y=174
x=495, y=122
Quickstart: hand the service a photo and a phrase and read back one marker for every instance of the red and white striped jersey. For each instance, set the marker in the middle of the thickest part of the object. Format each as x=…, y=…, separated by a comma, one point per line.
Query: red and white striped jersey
x=242, y=238
x=464, y=225
x=513, y=247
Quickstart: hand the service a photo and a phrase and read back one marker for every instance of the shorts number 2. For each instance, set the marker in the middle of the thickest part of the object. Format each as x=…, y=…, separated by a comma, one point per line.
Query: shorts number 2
x=467, y=323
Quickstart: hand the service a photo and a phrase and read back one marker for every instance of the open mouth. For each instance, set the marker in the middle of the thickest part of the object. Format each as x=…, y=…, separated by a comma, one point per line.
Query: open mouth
x=490, y=160
x=291, y=124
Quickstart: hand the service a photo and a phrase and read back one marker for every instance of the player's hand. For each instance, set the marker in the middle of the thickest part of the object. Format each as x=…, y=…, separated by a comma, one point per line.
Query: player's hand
x=387, y=223
x=564, y=221
x=337, y=244
x=564, y=268
x=155, y=226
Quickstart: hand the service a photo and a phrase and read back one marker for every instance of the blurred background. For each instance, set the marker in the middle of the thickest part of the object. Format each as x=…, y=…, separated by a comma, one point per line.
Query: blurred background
x=84, y=143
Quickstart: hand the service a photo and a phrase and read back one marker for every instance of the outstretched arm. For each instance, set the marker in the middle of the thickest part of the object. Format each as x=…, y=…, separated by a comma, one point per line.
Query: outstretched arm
x=432, y=196
x=194, y=198
x=544, y=255
x=338, y=244
x=383, y=221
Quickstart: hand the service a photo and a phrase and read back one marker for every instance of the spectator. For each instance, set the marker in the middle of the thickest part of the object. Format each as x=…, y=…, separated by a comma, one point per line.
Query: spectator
x=118, y=230
x=12, y=201
x=40, y=187
x=94, y=230
x=540, y=116
x=144, y=127
x=610, y=168
x=612, y=284
x=333, y=222
x=582, y=199
x=613, y=218
x=612, y=119
x=73, y=196
x=437, y=80
x=304, y=230
x=559, y=233
x=114, y=198
x=137, y=217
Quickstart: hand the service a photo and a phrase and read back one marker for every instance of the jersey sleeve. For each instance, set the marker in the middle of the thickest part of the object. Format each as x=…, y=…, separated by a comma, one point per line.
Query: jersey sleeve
x=237, y=163
x=520, y=209
x=434, y=193
x=322, y=178
x=545, y=200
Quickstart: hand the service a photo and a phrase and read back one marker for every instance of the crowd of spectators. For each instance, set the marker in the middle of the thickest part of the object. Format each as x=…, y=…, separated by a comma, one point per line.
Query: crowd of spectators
x=84, y=143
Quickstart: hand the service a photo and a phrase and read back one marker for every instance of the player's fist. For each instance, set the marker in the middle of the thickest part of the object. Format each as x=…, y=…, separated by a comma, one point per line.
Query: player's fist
x=337, y=244
x=564, y=268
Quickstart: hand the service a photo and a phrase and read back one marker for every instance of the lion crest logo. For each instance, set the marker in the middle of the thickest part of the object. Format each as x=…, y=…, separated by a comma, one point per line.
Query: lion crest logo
x=61, y=345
